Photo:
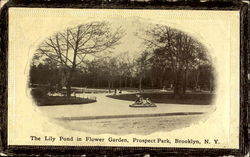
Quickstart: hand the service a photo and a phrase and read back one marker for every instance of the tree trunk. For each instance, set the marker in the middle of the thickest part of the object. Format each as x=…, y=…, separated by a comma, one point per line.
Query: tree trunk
x=68, y=86
x=177, y=85
x=130, y=83
x=197, y=80
x=120, y=84
x=176, y=88
x=98, y=83
x=109, y=86
x=152, y=83
x=140, y=80
x=125, y=83
x=161, y=83
x=184, y=82
x=72, y=70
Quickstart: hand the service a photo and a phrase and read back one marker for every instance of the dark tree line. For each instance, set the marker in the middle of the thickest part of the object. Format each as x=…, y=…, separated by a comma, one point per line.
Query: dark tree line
x=171, y=59
x=105, y=73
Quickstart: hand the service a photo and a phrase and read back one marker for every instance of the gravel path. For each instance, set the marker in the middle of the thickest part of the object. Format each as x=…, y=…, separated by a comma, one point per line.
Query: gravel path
x=114, y=116
x=106, y=106
x=122, y=126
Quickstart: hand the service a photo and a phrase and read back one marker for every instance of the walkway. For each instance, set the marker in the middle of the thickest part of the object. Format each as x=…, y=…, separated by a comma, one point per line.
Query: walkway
x=106, y=107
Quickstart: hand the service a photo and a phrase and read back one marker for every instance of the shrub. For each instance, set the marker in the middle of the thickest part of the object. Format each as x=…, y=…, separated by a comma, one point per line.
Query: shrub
x=39, y=92
x=61, y=100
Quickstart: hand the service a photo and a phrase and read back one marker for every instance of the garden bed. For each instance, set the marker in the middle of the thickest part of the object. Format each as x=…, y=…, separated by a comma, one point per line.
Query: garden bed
x=169, y=98
x=61, y=100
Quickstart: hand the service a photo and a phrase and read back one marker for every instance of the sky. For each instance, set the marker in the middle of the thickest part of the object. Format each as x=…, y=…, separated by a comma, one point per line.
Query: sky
x=130, y=43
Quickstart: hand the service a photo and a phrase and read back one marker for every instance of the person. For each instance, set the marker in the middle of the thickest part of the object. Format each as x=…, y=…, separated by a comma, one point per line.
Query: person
x=148, y=101
x=139, y=99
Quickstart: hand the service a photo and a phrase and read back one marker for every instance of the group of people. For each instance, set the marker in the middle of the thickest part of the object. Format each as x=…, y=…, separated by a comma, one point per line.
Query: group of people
x=141, y=100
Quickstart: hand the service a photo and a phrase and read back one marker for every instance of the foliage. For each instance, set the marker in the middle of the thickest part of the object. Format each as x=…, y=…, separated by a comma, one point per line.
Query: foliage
x=68, y=49
x=177, y=53
x=59, y=100
x=39, y=92
x=171, y=60
x=169, y=98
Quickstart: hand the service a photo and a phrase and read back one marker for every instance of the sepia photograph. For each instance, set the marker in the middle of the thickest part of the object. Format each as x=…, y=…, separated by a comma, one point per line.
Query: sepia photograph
x=124, y=78
x=104, y=77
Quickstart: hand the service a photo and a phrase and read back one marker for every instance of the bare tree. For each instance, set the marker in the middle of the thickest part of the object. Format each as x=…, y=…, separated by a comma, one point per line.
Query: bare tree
x=129, y=70
x=142, y=65
x=124, y=68
x=176, y=50
x=110, y=69
x=70, y=47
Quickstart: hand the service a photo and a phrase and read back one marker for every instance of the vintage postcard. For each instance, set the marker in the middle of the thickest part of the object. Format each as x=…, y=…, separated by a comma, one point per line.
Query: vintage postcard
x=124, y=78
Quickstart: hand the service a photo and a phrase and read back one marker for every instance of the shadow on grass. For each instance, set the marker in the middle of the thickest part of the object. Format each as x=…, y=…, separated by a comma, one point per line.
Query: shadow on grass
x=61, y=100
x=169, y=98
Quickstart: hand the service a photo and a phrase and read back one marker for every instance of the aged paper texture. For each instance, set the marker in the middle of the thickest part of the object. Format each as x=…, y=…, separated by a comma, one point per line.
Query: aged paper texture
x=155, y=110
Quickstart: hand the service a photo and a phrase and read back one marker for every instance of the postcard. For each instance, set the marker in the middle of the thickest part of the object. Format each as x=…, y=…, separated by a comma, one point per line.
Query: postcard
x=124, y=78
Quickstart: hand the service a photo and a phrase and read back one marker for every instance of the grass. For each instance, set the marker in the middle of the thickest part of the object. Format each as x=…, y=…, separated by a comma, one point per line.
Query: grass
x=60, y=100
x=169, y=98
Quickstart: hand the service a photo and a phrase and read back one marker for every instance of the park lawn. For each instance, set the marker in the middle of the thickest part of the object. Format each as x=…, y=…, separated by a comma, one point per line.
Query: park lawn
x=61, y=100
x=188, y=98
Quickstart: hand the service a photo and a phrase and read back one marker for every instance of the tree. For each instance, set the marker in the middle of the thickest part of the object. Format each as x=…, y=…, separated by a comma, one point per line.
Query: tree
x=142, y=65
x=70, y=47
x=111, y=71
x=160, y=65
x=175, y=50
x=44, y=73
x=124, y=69
x=129, y=69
